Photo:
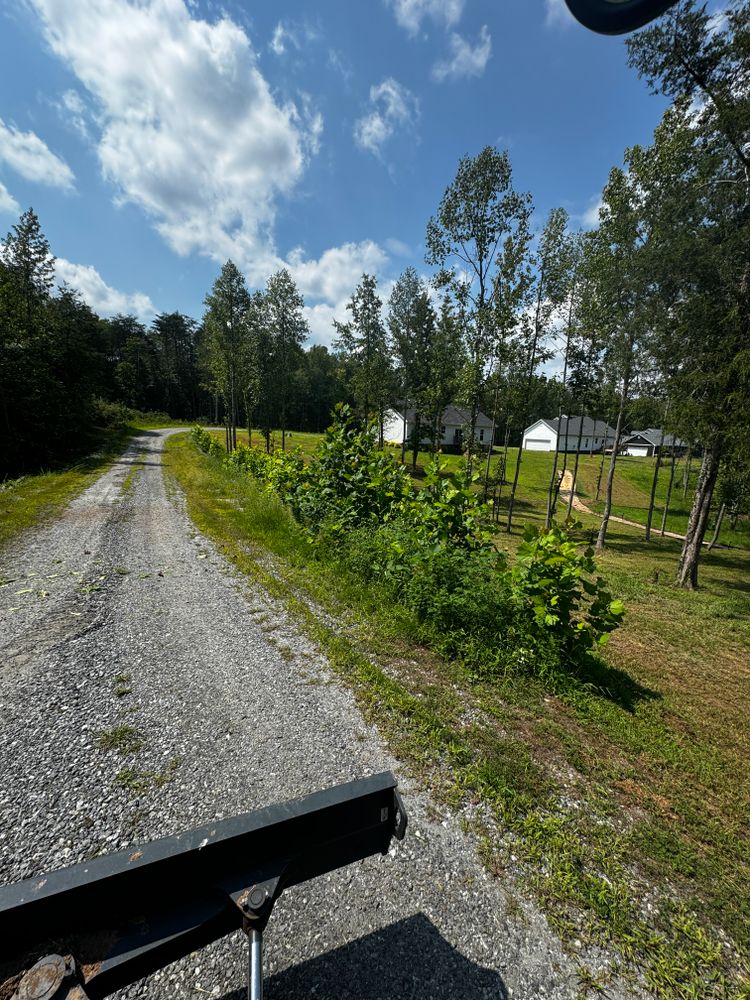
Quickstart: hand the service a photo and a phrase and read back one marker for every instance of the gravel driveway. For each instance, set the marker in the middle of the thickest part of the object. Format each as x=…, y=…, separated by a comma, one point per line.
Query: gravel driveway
x=120, y=614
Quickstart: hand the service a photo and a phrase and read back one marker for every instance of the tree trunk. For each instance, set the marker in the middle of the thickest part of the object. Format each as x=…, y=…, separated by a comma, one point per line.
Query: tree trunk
x=717, y=529
x=611, y=474
x=686, y=473
x=404, y=435
x=575, y=465
x=554, y=487
x=492, y=437
x=654, y=482
x=687, y=573
x=669, y=492
x=417, y=436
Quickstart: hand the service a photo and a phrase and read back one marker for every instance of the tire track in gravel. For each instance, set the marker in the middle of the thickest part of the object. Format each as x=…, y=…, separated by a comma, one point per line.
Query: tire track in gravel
x=144, y=624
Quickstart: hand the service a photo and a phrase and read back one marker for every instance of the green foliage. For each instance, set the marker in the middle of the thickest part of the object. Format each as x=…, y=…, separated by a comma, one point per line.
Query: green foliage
x=567, y=601
x=350, y=481
x=430, y=551
x=206, y=442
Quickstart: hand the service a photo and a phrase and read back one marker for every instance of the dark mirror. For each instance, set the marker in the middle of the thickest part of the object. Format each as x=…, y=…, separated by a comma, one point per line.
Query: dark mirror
x=613, y=17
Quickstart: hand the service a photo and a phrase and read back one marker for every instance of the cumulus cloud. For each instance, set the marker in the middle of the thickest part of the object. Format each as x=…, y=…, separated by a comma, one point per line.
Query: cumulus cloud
x=411, y=13
x=557, y=14
x=465, y=59
x=187, y=127
x=102, y=298
x=392, y=106
x=8, y=204
x=332, y=277
x=29, y=156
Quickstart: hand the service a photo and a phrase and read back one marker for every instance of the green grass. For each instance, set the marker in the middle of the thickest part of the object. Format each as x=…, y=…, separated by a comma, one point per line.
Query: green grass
x=631, y=789
x=124, y=739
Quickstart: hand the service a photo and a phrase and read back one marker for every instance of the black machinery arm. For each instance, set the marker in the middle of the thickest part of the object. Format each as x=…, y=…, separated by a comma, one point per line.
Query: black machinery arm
x=106, y=923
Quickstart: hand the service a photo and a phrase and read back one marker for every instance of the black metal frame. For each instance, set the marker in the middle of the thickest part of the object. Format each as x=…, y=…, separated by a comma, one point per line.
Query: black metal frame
x=615, y=17
x=123, y=916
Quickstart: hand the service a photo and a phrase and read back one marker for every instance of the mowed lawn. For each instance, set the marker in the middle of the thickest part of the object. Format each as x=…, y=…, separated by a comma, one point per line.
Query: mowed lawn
x=636, y=790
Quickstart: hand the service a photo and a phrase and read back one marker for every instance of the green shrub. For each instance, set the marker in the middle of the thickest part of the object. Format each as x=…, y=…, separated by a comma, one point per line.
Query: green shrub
x=206, y=442
x=567, y=602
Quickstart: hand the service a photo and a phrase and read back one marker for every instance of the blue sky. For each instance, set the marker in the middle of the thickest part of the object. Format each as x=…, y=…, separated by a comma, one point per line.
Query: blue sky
x=155, y=138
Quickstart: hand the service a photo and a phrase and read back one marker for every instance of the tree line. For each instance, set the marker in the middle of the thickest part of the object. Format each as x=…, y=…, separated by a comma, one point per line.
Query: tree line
x=648, y=312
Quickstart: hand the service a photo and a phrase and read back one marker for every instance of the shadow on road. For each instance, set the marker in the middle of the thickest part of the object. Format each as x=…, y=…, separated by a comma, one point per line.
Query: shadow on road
x=409, y=960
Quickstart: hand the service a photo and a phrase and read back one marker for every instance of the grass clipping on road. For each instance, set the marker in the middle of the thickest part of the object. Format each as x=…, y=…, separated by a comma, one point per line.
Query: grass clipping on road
x=622, y=813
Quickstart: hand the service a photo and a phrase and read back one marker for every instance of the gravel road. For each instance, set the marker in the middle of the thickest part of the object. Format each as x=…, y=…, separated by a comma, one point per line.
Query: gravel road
x=120, y=613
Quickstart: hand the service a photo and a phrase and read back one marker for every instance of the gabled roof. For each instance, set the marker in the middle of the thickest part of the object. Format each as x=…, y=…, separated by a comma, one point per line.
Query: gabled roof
x=452, y=416
x=653, y=436
x=569, y=426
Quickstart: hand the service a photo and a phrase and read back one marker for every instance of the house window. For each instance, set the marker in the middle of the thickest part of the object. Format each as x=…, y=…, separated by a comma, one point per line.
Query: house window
x=586, y=443
x=442, y=428
x=481, y=435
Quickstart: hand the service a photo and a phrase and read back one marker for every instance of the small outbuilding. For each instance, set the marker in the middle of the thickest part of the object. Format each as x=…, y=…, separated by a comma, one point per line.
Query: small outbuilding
x=594, y=435
x=398, y=425
x=650, y=442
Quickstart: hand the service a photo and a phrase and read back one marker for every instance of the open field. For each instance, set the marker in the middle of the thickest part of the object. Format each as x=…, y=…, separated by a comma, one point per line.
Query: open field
x=622, y=802
x=630, y=495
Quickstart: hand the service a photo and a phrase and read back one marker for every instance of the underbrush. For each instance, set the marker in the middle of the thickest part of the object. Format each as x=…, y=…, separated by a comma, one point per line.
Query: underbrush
x=431, y=552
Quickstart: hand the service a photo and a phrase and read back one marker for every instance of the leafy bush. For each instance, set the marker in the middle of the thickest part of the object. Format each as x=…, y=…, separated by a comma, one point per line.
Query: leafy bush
x=431, y=551
x=112, y=416
x=206, y=442
x=350, y=482
x=556, y=581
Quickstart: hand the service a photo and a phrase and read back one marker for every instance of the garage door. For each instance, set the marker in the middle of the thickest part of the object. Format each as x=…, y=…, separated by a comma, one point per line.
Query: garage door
x=538, y=444
x=637, y=451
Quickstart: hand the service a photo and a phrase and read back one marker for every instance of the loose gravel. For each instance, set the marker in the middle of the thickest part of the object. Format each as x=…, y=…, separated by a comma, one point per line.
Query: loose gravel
x=120, y=614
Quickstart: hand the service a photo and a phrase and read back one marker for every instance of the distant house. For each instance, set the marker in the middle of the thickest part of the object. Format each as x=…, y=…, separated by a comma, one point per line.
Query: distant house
x=595, y=435
x=398, y=425
x=649, y=442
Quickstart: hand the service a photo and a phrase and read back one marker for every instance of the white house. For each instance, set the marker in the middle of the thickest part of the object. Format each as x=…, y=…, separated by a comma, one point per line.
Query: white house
x=398, y=425
x=649, y=442
x=542, y=435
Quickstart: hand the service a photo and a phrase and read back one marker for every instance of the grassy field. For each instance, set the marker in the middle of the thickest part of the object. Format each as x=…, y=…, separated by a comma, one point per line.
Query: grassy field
x=623, y=803
x=631, y=491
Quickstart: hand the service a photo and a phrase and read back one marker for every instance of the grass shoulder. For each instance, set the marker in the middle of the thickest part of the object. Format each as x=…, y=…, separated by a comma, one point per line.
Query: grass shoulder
x=616, y=802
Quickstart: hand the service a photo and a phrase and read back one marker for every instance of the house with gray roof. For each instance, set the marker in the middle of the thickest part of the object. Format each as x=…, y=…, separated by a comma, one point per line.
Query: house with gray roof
x=399, y=422
x=650, y=442
x=594, y=435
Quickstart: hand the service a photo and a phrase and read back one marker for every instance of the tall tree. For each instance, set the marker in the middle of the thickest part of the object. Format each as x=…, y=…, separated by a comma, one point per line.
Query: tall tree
x=226, y=305
x=412, y=326
x=363, y=341
x=479, y=209
x=695, y=180
x=288, y=327
x=553, y=269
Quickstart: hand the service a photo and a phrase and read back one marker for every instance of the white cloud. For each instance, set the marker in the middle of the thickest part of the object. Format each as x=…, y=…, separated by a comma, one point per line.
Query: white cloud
x=393, y=106
x=102, y=298
x=187, y=127
x=30, y=157
x=465, y=59
x=397, y=247
x=557, y=14
x=332, y=278
x=74, y=111
x=335, y=274
x=8, y=204
x=590, y=218
x=294, y=34
x=411, y=13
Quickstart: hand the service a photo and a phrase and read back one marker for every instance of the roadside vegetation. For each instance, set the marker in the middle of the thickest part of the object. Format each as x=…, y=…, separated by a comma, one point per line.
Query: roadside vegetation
x=26, y=501
x=609, y=782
